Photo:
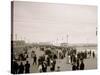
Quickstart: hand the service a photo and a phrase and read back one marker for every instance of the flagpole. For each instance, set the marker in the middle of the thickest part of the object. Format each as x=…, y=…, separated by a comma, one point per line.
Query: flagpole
x=67, y=38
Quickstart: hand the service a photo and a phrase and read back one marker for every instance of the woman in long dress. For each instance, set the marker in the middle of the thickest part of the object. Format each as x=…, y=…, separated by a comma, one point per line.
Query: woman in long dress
x=69, y=61
x=40, y=68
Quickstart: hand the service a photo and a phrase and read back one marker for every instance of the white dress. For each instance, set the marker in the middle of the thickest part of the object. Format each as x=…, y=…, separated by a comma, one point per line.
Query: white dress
x=69, y=61
x=40, y=68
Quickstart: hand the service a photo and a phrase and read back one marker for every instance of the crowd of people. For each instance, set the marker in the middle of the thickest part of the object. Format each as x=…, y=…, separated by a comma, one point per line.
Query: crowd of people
x=20, y=68
x=76, y=59
x=45, y=62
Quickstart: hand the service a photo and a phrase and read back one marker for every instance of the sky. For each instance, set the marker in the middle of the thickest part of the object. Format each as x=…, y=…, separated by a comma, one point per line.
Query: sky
x=51, y=22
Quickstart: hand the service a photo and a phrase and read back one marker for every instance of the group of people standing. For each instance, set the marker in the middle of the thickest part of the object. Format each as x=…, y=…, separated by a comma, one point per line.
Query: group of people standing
x=78, y=65
x=45, y=62
x=76, y=59
x=20, y=68
x=49, y=61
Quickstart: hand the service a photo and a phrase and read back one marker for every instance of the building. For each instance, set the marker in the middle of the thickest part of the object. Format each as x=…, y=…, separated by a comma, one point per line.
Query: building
x=45, y=43
x=64, y=44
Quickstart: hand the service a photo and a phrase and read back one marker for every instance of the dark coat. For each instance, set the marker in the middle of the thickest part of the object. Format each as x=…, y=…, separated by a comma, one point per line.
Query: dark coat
x=74, y=67
x=82, y=66
x=21, y=69
x=27, y=68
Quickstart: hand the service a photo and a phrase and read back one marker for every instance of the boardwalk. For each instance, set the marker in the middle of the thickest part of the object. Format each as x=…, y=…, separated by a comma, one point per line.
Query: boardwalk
x=90, y=63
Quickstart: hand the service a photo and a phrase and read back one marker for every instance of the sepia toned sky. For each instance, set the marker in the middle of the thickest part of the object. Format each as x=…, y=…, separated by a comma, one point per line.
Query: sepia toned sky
x=48, y=22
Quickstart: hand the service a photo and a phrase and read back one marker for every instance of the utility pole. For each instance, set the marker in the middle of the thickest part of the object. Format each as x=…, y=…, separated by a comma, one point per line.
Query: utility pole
x=62, y=39
x=67, y=39
x=15, y=36
x=96, y=31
